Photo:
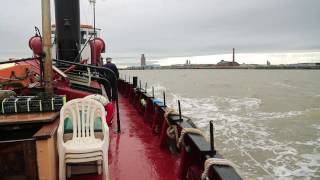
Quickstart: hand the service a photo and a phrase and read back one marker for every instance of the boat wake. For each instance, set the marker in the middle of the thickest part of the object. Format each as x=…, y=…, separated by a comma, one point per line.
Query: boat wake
x=243, y=134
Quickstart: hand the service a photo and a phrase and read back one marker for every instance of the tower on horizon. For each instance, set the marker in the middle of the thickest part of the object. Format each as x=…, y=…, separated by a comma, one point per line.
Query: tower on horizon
x=143, y=60
x=233, y=57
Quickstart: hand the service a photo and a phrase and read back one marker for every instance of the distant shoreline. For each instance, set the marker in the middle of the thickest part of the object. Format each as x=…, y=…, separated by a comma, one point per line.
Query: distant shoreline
x=308, y=66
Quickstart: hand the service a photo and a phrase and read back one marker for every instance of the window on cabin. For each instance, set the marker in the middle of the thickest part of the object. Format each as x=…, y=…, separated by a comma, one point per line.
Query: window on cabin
x=83, y=37
x=91, y=33
x=53, y=37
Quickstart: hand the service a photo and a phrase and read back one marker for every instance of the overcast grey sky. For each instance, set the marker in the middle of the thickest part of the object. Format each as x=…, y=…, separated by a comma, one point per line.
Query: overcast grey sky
x=166, y=28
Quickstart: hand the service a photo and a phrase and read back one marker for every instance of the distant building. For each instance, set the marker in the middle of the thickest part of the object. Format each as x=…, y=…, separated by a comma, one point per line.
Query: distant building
x=143, y=60
x=268, y=63
x=227, y=63
x=152, y=66
x=304, y=65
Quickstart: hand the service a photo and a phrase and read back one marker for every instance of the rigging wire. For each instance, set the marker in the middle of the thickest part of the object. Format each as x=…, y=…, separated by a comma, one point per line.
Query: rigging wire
x=84, y=46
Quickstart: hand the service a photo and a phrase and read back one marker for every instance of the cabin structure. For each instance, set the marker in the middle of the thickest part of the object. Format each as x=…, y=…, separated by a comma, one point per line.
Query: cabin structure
x=87, y=33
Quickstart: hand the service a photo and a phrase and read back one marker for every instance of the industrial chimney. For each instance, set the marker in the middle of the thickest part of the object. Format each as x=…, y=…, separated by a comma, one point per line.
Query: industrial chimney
x=233, y=56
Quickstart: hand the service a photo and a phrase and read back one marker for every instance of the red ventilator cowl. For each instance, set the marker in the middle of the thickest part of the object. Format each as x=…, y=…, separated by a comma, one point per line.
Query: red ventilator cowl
x=97, y=46
x=35, y=44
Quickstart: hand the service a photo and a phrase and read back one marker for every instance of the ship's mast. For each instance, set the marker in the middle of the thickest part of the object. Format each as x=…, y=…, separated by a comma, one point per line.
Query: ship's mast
x=46, y=41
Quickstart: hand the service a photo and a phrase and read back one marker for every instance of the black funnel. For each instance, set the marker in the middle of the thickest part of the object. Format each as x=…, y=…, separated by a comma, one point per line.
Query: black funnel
x=67, y=29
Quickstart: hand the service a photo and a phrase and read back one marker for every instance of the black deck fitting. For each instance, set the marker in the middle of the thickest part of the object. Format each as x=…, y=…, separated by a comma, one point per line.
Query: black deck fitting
x=135, y=81
x=152, y=92
x=179, y=106
x=164, y=99
x=146, y=87
x=212, y=138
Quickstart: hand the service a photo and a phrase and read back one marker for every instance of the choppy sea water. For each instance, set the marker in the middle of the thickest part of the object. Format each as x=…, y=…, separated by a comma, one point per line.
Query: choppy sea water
x=266, y=121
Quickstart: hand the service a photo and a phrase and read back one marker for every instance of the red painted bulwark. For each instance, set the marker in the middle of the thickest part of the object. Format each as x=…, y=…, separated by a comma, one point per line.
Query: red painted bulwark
x=71, y=93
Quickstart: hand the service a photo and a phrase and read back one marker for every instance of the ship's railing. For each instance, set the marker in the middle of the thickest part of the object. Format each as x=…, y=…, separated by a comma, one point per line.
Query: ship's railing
x=196, y=148
x=106, y=77
x=20, y=60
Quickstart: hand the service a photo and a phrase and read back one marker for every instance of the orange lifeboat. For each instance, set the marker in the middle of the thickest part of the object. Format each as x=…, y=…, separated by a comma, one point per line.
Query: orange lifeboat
x=17, y=76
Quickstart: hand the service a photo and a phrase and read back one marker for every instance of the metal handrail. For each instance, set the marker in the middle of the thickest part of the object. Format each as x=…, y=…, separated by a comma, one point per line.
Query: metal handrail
x=105, y=72
x=20, y=60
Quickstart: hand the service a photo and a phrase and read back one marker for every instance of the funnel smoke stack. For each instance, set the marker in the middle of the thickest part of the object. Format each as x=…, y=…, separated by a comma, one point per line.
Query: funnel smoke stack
x=67, y=29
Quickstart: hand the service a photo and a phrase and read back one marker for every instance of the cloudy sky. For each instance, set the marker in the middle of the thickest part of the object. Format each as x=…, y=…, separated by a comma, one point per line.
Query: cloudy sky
x=179, y=28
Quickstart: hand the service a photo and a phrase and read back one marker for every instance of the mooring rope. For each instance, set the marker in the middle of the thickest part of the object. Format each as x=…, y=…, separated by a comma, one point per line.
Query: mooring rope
x=172, y=131
x=215, y=161
x=188, y=131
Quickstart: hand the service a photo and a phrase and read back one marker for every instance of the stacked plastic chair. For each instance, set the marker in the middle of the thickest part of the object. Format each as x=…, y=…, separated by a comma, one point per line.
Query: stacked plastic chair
x=84, y=146
x=107, y=105
x=103, y=100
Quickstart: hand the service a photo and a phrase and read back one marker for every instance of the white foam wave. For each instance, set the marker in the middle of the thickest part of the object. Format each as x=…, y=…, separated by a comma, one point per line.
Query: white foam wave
x=274, y=115
x=295, y=165
x=317, y=126
x=284, y=85
x=247, y=104
x=238, y=130
x=158, y=90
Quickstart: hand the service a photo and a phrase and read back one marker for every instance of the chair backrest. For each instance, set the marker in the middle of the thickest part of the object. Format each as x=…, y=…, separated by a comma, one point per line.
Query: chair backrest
x=83, y=113
x=103, y=100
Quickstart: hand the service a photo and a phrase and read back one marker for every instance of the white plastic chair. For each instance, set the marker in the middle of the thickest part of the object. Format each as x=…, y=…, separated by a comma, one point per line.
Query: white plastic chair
x=102, y=99
x=84, y=146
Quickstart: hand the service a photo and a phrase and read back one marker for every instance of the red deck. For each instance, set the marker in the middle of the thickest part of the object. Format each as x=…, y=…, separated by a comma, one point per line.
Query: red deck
x=135, y=153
